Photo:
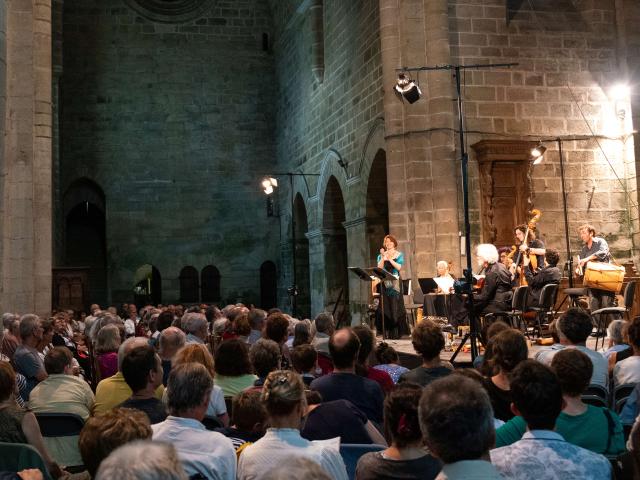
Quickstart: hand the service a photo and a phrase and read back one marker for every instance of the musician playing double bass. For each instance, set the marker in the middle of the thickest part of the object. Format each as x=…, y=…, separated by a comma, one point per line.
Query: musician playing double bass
x=595, y=249
x=528, y=246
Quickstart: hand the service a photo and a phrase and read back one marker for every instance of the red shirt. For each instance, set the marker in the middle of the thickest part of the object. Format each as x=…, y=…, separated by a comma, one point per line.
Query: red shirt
x=383, y=378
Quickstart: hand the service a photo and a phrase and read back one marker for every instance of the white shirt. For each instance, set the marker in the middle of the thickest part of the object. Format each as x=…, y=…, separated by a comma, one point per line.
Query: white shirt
x=216, y=405
x=281, y=444
x=627, y=371
x=600, y=374
x=200, y=451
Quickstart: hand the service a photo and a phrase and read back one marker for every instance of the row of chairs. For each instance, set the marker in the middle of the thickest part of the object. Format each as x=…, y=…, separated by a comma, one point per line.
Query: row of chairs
x=615, y=400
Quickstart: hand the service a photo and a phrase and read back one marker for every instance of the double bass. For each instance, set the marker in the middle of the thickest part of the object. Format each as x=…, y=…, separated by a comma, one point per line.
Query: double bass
x=531, y=224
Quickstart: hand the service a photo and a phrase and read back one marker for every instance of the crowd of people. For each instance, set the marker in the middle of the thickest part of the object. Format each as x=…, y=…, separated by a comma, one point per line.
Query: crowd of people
x=171, y=393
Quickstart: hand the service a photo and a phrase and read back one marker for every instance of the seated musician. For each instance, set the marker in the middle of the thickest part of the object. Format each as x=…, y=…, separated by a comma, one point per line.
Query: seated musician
x=442, y=269
x=595, y=249
x=495, y=295
x=549, y=274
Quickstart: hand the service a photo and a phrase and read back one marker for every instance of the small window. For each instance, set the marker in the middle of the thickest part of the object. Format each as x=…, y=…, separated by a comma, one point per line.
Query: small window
x=210, y=284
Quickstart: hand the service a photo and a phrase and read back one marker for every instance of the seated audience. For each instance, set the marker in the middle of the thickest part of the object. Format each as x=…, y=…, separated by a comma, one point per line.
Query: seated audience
x=248, y=419
x=338, y=418
x=324, y=327
x=104, y=433
x=631, y=408
x=108, y=341
x=508, y=349
x=142, y=370
x=428, y=342
x=542, y=452
x=617, y=343
x=406, y=457
x=114, y=390
x=11, y=340
x=483, y=361
x=21, y=382
x=256, y=320
x=276, y=328
x=299, y=467
x=26, y=359
x=265, y=356
x=243, y=327
x=628, y=370
x=143, y=460
x=367, y=340
x=234, y=371
x=62, y=392
x=301, y=334
x=574, y=327
x=305, y=361
x=196, y=327
x=203, y=452
x=284, y=400
x=389, y=362
x=344, y=384
x=457, y=425
x=199, y=353
x=171, y=340
x=44, y=345
x=18, y=425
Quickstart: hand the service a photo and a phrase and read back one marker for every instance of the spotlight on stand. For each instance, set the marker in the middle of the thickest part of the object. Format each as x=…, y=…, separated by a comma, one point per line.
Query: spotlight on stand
x=537, y=153
x=268, y=184
x=407, y=89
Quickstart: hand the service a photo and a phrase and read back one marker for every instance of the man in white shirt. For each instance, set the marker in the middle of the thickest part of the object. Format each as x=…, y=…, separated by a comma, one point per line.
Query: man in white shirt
x=209, y=454
x=628, y=370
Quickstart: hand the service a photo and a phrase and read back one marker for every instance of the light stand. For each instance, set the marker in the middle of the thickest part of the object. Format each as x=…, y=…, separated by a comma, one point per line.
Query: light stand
x=566, y=217
x=473, y=334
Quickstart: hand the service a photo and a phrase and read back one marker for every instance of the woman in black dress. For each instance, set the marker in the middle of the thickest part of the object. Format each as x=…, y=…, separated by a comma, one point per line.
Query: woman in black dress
x=395, y=315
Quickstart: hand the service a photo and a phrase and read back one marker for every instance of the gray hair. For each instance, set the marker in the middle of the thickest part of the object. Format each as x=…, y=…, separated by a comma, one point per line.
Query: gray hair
x=28, y=323
x=188, y=386
x=456, y=419
x=142, y=460
x=172, y=339
x=193, y=322
x=128, y=345
x=324, y=323
x=442, y=263
x=108, y=338
x=487, y=253
x=8, y=319
x=615, y=331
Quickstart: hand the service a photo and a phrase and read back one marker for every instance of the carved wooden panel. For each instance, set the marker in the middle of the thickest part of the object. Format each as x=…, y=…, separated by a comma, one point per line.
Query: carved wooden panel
x=70, y=288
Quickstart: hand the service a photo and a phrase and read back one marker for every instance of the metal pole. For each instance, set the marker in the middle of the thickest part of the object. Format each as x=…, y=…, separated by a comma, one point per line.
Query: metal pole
x=566, y=219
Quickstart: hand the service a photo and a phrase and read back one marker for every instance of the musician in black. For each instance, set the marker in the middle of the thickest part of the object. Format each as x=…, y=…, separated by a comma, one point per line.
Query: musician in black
x=529, y=246
x=595, y=249
x=496, y=294
x=549, y=274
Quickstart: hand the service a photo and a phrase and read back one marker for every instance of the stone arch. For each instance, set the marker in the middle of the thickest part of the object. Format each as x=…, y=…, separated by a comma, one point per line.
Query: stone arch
x=147, y=285
x=377, y=206
x=330, y=168
x=189, y=285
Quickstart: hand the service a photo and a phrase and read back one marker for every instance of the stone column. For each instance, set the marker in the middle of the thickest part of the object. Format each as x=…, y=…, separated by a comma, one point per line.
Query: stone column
x=359, y=291
x=316, y=271
x=26, y=223
x=422, y=168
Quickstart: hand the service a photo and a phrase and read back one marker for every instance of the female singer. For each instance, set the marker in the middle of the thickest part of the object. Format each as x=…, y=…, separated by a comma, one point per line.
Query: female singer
x=395, y=315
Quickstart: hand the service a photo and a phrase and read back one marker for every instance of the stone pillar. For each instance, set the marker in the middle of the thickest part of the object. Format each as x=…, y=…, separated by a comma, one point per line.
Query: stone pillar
x=26, y=161
x=359, y=291
x=422, y=168
x=316, y=271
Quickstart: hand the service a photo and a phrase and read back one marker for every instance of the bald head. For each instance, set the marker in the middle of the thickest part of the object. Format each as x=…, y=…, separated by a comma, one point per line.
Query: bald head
x=172, y=339
x=343, y=347
x=128, y=345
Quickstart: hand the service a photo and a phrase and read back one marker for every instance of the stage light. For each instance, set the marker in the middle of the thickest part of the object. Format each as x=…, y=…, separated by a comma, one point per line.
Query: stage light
x=268, y=190
x=537, y=154
x=619, y=92
x=407, y=89
x=269, y=184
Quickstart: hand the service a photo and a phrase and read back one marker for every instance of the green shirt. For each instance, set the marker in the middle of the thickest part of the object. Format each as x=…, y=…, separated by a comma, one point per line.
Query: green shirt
x=587, y=430
x=231, y=386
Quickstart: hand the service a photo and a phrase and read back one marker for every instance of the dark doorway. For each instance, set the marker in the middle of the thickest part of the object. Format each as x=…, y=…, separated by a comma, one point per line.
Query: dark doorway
x=147, y=286
x=377, y=206
x=335, y=253
x=210, y=284
x=189, y=285
x=302, y=259
x=268, y=285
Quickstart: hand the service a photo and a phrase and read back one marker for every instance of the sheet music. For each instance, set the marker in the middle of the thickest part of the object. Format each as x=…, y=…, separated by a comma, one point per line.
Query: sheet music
x=444, y=283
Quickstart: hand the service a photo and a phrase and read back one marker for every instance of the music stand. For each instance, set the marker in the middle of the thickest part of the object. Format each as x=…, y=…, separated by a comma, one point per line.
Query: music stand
x=372, y=274
x=427, y=285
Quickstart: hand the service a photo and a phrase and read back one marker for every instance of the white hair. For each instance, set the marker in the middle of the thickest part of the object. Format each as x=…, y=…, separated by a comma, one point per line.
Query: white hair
x=487, y=252
x=442, y=264
x=142, y=460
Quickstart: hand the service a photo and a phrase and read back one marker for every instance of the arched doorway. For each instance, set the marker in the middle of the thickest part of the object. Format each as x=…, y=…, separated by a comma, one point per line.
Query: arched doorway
x=189, y=285
x=335, y=252
x=268, y=285
x=377, y=206
x=210, y=284
x=302, y=259
x=147, y=286
x=85, y=242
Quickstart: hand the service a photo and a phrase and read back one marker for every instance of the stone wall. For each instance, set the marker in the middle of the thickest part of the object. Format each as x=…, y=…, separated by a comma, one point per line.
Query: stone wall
x=175, y=123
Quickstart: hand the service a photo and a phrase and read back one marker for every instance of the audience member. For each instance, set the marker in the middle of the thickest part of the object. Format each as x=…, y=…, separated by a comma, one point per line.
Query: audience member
x=233, y=367
x=142, y=370
x=299, y=467
x=302, y=333
x=482, y=362
x=104, y=433
x=617, y=343
x=276, y=328
x=108, y=342
x=405, y=458
x=11, y=340
x=196, y=327
x=508, y=349
x=457, y=425
x=428, y=342
x=248, y=419
x=171, y=340
x=389, y=362
x=343, y=383
x=367, y=340
x=142, y=460
x=305, y=361
x=26, y=358
x=256, y=319
x=265, y=356
x=543, y=453
x=628, y=370
x=324, y=327
x=203, y=452
x=44, y=345
x=284, y=399
x=243, y=327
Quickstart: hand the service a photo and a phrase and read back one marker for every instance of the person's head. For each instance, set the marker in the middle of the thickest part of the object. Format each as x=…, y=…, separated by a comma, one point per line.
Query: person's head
x=508, y=349
x=142, y=460
x=587, y=232
x=615, y=331
x=344, y=346
x=390, y=242
x=442, y=268
x=536, y=395
x=486, y=254
x=324, y=323
x=248, y=412
x=103, y=433
x=521, y=230
x=243, y=326
x=365, y=335
x=401, y=422
x=128, y=345
x=552, y=257
x=8, y=320
x=58, y=360
x=196, y=324
x=283, y=394
x=265, y=357
x=257, y=318
x=108, y=339
x=142, y=368
x=47, y=331
x=304, y=358
x=195, y=352
x=172, y=339
x=427, y=340
x=633, y=333
x=456, y=419
x=276, y=328
x=188, y=390
x=165, y=319
x=386, y=354
x=573, y=369
x=7, y=381
x=302, y=333
x=30, y=328
x=574, y=327
x=299, y=467
x=232, y=358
